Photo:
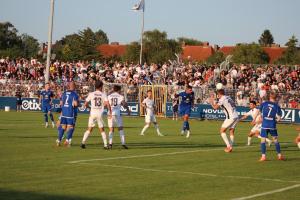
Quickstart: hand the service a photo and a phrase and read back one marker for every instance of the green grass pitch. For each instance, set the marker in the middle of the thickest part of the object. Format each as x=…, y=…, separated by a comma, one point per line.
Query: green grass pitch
x=170, y=167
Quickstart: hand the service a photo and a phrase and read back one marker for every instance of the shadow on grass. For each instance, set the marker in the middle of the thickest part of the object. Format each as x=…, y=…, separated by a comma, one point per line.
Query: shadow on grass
x=20, y=195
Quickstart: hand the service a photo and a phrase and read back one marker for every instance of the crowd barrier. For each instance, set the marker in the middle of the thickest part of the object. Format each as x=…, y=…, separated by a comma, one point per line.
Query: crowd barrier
x=200, y=111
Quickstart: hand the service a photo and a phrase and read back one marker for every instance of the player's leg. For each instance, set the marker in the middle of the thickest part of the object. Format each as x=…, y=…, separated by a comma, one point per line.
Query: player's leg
x=153, y=120
x=91, y=125
x=70, y=131
x=223, y=130
x=111, y=125
x=51, y=118
x=250, y=135
x=274, y=135
x=232, y=130
x=121, y=131
x=104, y=138
x=263, y=148
x=45, y=112
x=147, y=124
x=61, y=130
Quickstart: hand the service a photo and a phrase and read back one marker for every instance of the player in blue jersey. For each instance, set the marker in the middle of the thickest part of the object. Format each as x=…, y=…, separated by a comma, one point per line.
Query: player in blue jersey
x=271, y=113
x=185, y=107
x=69, y=101
x=46, y=104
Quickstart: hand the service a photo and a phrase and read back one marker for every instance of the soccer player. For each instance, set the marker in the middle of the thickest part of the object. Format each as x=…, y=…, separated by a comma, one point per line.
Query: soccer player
x=271, y=112
x=98, y=100
x=175, y=103
x=68, y=102
x=148, y=103
x=116, y=100
x=256, y=122
x=45, y=101
x=229, y=108
x=185, y=107
x=19, y=101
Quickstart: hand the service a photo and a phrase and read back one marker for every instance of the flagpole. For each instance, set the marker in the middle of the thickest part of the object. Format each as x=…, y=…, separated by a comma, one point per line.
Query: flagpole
x=142, y=33
x=50, y=30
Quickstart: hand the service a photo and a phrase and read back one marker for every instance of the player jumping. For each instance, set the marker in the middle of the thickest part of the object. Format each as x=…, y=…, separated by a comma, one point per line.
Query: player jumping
x=98, y=101
x=45, y=101
x=271, y=112
x=229, y=108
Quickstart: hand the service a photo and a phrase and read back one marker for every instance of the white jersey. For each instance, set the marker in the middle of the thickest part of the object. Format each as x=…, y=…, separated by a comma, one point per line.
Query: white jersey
x=228, y=106
x=97, y=100
x=254, y=113
x=149, y=106
x=115, y=100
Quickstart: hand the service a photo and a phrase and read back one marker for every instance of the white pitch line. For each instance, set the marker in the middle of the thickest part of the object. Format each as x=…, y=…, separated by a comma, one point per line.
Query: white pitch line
x=151, y=155
x=190, y=173
x=267, y=193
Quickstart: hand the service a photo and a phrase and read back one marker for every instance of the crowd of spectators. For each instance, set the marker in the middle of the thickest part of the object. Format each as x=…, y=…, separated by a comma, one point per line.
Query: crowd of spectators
x=246, y=82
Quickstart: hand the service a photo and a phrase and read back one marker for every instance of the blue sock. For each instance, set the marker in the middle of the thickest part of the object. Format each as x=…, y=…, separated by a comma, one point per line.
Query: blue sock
x=46, y=117
x=51, y=117
x=263, y=148
x=187, y=126
x=70, y=133
x=60, y=133
x=277, y=146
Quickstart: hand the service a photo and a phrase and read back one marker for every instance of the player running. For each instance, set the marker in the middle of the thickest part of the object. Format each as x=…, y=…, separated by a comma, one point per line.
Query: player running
x=271, y=112
x=185, y=108
x=116, y=100
x=256, y=122
x=98, y=100
x=148, y=103
x=68, y=102
x=229, y=108
x=45, y=101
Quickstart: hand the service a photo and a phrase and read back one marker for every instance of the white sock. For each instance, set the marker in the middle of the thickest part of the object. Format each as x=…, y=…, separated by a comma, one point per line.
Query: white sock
x=225, y=139
x=144, y=129
x=157, y=129
x=268, y=140
x=104, y=138
x=69, y=141
x=249, y=140
x=85, y=136
x=299, y=145
x=231, y=139
x=122, y=136
x=110, y=137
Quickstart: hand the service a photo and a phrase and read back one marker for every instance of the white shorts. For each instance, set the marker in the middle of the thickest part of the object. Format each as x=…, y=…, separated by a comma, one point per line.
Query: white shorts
x=230, y=123
x=93, y=119
x=115, y=121
x=256, y=128
x=150, y=118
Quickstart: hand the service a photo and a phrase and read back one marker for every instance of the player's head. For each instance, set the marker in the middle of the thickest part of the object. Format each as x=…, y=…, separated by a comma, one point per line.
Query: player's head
x=117, y=88
x=98, y=85
x=220, y=93
x=189, y=89
x=149, y=93
x=71, y=86
x=273, y=96
x=47, y=86
x=252, y=104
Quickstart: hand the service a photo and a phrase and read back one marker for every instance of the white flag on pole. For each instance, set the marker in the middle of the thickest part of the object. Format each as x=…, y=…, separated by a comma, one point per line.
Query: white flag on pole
x=139, y=6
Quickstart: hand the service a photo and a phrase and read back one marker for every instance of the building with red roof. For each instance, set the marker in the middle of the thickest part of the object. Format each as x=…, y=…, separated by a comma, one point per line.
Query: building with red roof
x=197, y=53
x=112, y=50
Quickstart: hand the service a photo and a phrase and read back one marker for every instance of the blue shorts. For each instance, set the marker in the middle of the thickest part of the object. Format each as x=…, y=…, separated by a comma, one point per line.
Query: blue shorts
x=185, y=111
x=264, y=132
x=46, y=108
x=67, y=121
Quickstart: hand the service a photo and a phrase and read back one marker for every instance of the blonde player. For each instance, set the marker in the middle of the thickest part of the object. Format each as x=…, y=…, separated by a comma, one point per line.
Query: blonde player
x=98, y=100
x=256, y=121
x=148, y=104
x=229, y=108
x=116, y=100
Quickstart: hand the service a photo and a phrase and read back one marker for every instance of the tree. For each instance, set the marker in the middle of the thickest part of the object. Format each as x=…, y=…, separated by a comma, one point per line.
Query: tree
x=30, y=45
x=266, y=38
x=189, y=41
x=292, y=53
x=132, y=52
x=216, y=58
x=250, y=53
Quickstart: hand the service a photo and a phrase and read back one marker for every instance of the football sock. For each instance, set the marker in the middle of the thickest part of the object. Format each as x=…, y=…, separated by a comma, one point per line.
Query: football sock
x=263, y=148
x=51, y=117
x=277, y=147
x=46, y=117
x=110, y=136
x=225, y=139
x=144, y=129
x=249, y=140
x=231, y=139
x=85, y=136
x=122, y=136
x=60, y=133
x=187, y=126
x=70, y=133
x=104, y=138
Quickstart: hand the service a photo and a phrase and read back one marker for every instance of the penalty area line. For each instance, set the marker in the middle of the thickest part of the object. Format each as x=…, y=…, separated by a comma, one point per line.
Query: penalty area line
x=267, y=193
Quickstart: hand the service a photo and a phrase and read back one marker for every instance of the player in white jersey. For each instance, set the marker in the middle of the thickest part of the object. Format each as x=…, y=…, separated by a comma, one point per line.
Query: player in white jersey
x=256, y=122
x=148, y=104
x=229, y=108
x=98, y=101
x=116, y=100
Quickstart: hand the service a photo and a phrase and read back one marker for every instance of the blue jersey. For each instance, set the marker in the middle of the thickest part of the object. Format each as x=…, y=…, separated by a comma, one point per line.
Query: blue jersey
x=46, y=96
x=67, y=108
x=186, y=99
x=270, y=111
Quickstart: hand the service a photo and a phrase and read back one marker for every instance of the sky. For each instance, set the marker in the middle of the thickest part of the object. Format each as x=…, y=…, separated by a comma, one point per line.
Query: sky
x=222, y=22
